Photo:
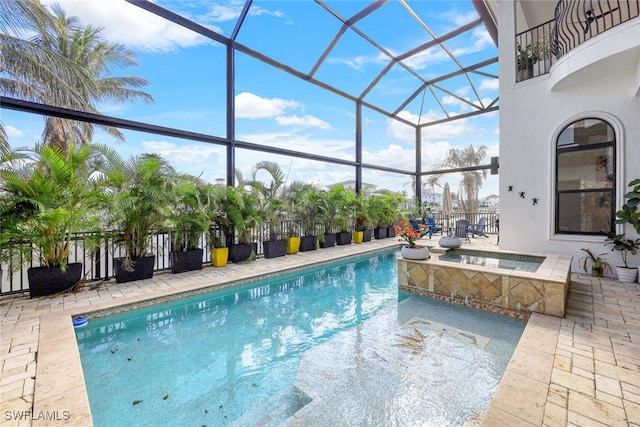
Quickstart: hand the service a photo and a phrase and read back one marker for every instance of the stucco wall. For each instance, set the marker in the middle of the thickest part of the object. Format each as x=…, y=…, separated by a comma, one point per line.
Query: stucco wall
x=600, y=80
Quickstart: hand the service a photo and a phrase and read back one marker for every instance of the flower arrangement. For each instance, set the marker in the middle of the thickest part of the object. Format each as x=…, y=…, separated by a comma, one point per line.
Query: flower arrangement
x=405, y=231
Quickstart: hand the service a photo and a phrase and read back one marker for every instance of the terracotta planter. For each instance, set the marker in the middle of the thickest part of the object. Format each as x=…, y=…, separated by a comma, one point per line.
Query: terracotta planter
x=51, y=280
x=219, y=256
x=416, y=253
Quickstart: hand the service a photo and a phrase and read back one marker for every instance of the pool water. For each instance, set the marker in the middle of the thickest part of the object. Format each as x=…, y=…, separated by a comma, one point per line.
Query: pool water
x=334, y=338
x=493, y=260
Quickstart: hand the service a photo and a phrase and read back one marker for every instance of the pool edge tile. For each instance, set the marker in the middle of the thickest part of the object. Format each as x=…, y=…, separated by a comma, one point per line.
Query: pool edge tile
x=67, y=402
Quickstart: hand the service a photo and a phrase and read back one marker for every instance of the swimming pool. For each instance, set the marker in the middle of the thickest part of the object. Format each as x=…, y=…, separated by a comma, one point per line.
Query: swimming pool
x=296, y=345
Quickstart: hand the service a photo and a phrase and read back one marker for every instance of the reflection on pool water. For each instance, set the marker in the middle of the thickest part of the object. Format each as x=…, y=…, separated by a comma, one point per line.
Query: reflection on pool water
x=335, y=345
x=494, y=260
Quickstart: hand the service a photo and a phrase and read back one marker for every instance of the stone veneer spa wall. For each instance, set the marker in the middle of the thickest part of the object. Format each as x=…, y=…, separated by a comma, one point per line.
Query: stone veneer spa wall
x=543, y=291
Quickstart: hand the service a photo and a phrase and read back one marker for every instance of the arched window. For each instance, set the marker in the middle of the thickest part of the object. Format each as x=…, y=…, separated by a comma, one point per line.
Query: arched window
x=586, y=178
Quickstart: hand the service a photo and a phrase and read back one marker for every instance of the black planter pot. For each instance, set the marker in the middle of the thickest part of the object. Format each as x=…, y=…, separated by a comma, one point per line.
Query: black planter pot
x=308, y=243
x=186, y=261
x=329, y=240
x=45, y=281
x=380, y=233
x=242, y=251
x=142, y=269
x=343, y=238
x=366, y=235
x=391, y=231
x=274, y=248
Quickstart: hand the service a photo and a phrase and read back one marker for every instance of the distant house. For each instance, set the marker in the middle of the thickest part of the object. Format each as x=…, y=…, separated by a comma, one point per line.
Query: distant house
x=490, y=201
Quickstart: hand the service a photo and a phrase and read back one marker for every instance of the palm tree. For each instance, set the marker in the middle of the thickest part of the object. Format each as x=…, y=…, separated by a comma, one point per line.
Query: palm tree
x=68, y=65
x=23, y=60
x=471, y=180
x=433, y=181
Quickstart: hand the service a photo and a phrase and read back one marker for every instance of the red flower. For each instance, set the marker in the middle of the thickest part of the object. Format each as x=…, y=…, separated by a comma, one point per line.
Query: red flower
x=408, y=234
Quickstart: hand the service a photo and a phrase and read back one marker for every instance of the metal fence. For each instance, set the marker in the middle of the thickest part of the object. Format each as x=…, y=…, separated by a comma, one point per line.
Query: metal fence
x=97, y=254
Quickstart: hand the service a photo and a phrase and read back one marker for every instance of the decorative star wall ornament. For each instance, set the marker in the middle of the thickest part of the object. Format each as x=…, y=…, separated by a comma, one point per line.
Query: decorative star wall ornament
x=510, y=188
x=522, y=194
x=535, y=200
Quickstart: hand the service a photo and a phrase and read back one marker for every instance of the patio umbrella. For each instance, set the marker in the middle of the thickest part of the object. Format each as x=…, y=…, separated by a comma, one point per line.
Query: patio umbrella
x=447, y=204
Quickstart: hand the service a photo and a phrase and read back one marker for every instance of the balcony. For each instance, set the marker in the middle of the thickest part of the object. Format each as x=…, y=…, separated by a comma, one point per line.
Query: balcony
x=574, y=23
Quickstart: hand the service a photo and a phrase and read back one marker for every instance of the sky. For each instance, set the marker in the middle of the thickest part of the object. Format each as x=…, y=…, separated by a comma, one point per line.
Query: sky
x=186, y=75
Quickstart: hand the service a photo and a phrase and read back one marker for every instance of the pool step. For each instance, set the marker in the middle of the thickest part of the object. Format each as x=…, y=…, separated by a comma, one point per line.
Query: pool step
x=276, y=410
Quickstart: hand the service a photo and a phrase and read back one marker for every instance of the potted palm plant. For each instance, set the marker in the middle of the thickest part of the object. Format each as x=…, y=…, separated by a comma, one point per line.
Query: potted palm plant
x=240, y=205
x=294, y=198
x=50, y=195
x=310, y=213
x=345, y=198
x=138, y=208
x=327, y=205
x=375, y=207
x=273, y=208
x=274, y=213
x=219, y=225
x=188, y=222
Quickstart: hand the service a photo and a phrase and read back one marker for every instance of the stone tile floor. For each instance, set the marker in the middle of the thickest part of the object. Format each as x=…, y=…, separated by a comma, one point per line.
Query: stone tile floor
x=581, y=370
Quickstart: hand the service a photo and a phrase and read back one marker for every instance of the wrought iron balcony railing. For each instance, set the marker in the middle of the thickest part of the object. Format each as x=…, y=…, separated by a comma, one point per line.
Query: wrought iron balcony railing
x=575, y=22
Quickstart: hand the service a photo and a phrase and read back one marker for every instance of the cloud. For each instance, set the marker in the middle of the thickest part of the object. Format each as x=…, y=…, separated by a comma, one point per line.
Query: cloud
x=131, y=25
x=251, y=106
x=448, y=130
x=403, y=158
x=489, y=85
x=338, y=148
x=305, y=121
x=13, y=132
x=230, y=11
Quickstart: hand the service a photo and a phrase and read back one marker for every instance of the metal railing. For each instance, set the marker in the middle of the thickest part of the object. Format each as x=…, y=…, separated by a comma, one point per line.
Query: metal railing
x=533, y=50
x=97, y=255
x=575, y=22
x=579, y=20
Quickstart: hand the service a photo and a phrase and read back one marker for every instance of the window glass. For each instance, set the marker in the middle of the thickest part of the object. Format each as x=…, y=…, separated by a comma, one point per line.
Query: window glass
x=585, y=178
x=585, y=169
x=587, y=131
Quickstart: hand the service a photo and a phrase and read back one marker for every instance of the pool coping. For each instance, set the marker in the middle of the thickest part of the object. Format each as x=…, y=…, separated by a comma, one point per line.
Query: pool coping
x=600, y=327
x=60, y=391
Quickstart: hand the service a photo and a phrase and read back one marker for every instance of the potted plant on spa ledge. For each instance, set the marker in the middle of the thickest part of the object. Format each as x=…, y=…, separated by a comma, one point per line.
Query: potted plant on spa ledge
x=405, y=232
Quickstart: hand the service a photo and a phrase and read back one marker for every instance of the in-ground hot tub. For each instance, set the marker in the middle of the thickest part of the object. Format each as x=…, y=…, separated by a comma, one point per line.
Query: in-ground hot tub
x=502, y=281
